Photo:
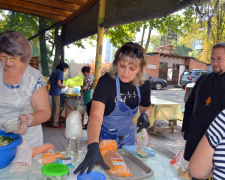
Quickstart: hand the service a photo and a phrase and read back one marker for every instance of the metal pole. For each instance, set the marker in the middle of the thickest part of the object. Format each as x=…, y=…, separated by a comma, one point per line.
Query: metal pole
x=98, y=61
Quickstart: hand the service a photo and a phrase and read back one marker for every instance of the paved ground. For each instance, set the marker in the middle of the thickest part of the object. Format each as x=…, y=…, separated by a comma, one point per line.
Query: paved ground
x=166, y=142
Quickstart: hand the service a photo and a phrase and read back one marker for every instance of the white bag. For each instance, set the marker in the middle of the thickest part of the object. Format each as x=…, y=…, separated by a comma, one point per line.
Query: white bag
x=73, y=125
x=81, y=107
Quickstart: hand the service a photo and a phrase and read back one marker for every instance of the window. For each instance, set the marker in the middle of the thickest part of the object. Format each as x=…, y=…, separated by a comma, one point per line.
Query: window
x=197, y=73
x=163, y=65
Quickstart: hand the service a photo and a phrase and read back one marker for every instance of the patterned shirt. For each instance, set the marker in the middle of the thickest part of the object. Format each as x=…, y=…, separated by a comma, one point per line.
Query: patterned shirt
x=216, y=137
x=88, y=84
x=40, y=83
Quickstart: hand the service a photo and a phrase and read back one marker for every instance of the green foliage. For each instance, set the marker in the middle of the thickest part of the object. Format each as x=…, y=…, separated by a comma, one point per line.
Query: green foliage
x=155, y=42
x=120, y=34
x=76, y=81
x=209, y=26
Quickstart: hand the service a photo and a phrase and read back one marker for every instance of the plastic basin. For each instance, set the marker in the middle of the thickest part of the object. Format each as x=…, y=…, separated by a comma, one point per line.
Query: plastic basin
x=8, y=152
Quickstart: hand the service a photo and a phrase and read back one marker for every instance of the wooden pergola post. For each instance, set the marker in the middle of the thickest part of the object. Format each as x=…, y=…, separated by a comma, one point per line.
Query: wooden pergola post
x=98, y=61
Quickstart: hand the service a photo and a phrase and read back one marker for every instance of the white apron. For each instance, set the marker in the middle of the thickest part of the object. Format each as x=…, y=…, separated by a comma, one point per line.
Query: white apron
x=17, y=101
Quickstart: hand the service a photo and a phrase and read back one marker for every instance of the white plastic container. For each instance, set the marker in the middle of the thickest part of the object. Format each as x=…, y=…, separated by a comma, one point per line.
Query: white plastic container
x=76, y=90
x=11, y=126
x=55, y=171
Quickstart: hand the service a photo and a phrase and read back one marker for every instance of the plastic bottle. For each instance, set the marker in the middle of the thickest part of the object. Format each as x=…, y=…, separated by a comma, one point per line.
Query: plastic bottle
x=72, y=148
x=73, y=133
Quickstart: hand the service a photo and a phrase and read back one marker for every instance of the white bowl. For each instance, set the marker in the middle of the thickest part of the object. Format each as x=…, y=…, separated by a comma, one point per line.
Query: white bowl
x=11, y=126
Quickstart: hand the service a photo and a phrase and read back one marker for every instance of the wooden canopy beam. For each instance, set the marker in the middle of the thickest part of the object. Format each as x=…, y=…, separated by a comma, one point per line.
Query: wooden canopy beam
x=78, y=2
x=80, y=10
x=56, y=4
x=28, y=11
x=36, y=7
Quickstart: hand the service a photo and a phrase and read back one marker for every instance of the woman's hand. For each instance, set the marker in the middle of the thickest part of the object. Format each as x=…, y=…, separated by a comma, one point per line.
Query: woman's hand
x=143, y=122
x=92, y=157
x=25, y=121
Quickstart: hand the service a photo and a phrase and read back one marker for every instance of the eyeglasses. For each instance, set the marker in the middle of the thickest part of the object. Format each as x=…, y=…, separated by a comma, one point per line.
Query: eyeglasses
x=218, y=60
x=127, y=49
x=13, y=59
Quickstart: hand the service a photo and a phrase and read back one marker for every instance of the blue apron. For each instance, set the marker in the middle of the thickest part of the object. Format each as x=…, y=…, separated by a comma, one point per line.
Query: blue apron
x=118, y=125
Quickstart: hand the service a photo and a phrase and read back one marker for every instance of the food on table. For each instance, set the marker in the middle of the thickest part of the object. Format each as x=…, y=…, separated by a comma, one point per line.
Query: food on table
x=185, y=174
x=40, y=149
x=142, y=141
x=116, y=164
x=111, y=157
x=106, y=145
x=46, y=154
x=4, y=140
x=50, y=157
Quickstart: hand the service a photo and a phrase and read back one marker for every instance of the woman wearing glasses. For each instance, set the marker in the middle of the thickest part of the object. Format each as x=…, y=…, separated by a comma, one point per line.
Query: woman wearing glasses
x=116, y=99
x=22, y=88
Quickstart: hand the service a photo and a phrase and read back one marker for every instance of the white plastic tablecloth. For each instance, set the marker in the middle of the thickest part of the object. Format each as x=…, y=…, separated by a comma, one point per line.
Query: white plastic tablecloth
x=159, y=163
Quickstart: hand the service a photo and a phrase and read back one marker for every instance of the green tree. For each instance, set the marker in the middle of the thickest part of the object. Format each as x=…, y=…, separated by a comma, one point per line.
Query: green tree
x=123, y=33
x=43, y=48
x=208, y=27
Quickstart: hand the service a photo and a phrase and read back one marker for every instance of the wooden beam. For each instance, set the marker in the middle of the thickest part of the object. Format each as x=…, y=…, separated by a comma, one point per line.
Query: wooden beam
x=77, y=2
x=36, y=7
x=83, y=8
x=46, y=29
x=31, y=12
x=56, y=4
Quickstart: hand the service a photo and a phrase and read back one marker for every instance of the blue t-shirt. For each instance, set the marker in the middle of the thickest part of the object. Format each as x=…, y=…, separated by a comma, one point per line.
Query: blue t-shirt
x=55, y=90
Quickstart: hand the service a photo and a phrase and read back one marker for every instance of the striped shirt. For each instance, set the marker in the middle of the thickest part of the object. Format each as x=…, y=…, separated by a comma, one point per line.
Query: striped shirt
x=216, y=137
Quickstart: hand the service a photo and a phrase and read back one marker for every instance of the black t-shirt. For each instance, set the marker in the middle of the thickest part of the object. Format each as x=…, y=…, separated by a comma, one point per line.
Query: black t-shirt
x=198, y=113
x=105, y=92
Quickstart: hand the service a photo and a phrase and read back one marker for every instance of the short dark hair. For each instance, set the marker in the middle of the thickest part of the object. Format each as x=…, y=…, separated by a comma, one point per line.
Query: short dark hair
x=86, y=69
x=61, y=66
x=219, y=45
x=14, y=43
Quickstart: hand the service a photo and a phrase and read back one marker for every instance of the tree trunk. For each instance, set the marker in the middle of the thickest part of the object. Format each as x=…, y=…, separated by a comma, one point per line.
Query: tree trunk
x=148, y=39
x=57, y=42
x=43, y=48
x=143, y=34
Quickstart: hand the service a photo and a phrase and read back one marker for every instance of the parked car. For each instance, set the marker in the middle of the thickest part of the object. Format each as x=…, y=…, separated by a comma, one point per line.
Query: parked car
x=156, y=83
x=190, y=76
x=188, y=90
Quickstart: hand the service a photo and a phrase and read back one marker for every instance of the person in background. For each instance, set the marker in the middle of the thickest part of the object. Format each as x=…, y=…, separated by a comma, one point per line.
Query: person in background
x=56, y=82
x=116, y=99
x=206, y=101
x=208, y=157
x=22, y=88
x=86, y=89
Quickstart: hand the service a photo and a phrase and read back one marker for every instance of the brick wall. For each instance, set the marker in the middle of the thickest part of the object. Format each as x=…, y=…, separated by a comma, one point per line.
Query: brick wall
x=194, y=64
x=152, y=66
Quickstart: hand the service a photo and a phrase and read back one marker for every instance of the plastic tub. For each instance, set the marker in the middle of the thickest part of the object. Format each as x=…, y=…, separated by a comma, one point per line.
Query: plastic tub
x=8, y=152
x=91, y=176
x=55, y=171
x=11, y=126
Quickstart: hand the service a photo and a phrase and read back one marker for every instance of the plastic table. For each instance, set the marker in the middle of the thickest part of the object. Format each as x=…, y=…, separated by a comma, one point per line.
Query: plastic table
x=165, y=110
x=68, y=108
